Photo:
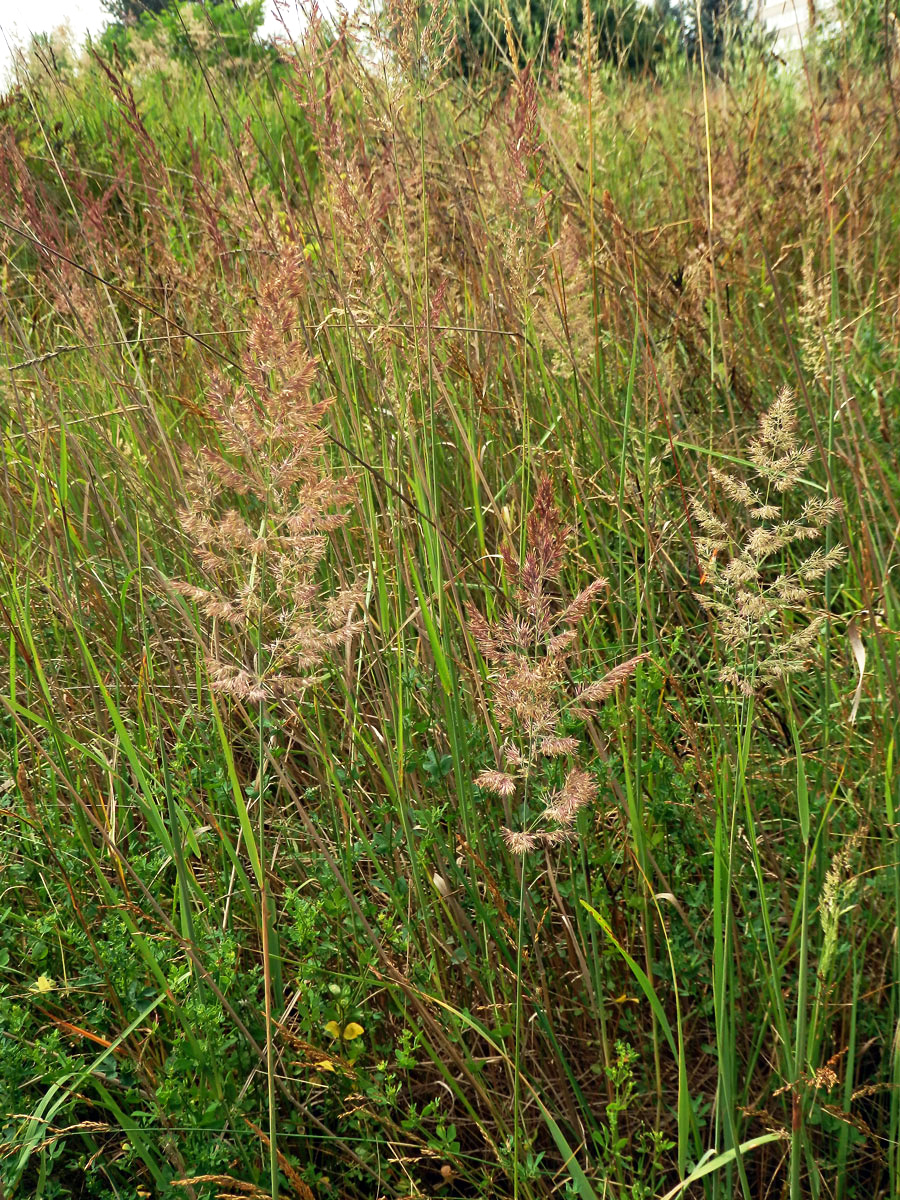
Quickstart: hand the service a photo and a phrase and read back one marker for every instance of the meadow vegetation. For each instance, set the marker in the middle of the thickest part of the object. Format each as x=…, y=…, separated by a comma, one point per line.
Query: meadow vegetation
x=450, y=684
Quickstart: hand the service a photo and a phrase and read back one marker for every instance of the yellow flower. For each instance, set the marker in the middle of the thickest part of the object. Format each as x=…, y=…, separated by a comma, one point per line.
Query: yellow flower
x=348, y=1033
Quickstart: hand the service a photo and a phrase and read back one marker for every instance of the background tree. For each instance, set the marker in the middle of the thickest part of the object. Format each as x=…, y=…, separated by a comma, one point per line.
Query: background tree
x=720, y=22
x=183, y=30
x=128, y=12
x=627, y=33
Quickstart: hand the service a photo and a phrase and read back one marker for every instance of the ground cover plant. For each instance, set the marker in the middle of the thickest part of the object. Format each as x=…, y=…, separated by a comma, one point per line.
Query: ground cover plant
x=450, y=687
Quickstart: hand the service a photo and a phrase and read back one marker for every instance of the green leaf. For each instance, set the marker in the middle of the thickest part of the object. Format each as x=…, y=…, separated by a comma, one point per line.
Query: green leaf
x=643, y=979
x=802, y=787
x=720, y=1160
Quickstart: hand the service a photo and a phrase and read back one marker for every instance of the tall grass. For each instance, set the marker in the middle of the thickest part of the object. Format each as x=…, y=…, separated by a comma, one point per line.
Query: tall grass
x=262, y=932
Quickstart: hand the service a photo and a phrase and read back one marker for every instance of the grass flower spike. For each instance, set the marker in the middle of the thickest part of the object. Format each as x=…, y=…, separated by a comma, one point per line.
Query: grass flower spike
x=761, y=591
x=528, y=651
x=263, y=561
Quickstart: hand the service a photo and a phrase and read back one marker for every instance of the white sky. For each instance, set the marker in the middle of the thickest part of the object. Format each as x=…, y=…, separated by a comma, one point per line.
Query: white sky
x=20, y=18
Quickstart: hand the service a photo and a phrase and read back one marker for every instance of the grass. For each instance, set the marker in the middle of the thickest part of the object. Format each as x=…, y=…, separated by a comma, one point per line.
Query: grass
x=266, y=938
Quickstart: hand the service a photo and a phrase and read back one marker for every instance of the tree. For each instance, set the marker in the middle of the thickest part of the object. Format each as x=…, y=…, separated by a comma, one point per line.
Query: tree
x=627, y=33
x=225, y=31
x=129, y=12
x=719, y=22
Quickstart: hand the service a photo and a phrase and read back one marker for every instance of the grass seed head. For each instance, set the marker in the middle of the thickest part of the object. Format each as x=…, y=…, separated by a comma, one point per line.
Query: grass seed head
x=527, y=650
x=759, y=581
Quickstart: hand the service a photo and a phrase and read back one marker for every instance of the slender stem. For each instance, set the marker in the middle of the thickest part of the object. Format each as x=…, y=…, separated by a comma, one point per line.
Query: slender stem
x=517, y=1089
x=267, y=972
x=800, y=1043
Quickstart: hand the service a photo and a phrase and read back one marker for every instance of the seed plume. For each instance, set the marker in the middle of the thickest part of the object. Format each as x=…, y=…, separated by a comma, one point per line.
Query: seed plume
x=528, y=650
x=759, y=588
x=261, y=505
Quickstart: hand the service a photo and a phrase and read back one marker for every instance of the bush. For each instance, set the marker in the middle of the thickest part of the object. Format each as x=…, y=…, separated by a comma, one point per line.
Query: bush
x=224, y=33
x=627, y=34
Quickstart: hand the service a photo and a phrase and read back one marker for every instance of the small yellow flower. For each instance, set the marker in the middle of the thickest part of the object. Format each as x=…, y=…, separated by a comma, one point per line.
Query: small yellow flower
x=347, y=1034
x=43, y=984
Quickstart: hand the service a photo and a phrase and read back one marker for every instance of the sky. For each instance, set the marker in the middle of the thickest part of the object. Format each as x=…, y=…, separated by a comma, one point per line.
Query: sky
x=20, y=18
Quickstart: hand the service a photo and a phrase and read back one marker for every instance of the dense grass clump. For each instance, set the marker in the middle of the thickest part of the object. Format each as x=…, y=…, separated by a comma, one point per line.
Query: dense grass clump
x=450, y=693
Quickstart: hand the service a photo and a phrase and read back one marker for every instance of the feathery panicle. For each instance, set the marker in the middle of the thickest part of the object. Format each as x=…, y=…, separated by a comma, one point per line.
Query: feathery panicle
x=519, y=841
x=735, y=489
x=558, y=747
x=601, y=690
x=579, y=608
x=776, y=453
x=527, y=651
x=497, y=782
x=577, y=792
x=512, y=755
x=758, y=587
x=838, y=887
x=263, y=556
